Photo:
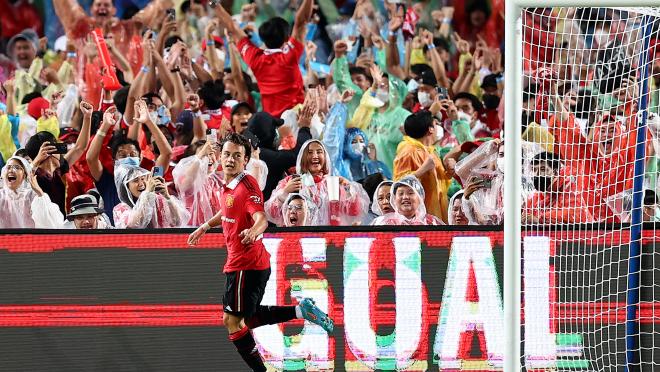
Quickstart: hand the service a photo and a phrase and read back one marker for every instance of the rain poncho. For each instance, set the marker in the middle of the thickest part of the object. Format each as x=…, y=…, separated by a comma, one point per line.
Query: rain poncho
x=310, y=211
x=198, y=187
x=375, y=206
x=601, y=175
x=357, y=162
x=383, y=128
x=485, y=206
x=411, y=154
x=396, y=218
x=563, y=205
x=150, y=210
x=457, y=215
x=102, y=223
x=23, y=208
x=342, y=77
x=353, y=200
x=259, y=170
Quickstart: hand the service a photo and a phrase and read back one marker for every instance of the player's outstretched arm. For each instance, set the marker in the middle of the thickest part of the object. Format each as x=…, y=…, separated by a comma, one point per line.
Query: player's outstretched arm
x=196, y=235
x=252, y=234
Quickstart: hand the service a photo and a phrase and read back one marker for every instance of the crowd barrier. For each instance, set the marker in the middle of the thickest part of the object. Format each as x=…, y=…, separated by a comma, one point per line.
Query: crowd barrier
x=405, y=299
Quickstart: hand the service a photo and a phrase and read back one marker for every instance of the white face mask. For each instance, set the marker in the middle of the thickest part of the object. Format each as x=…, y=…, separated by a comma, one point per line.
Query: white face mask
x=500, y=164
x=424, y=99
x=358, y=147
x=220, y=53
x=412, y=85
x=464, y=116
x=439, y=133
x=582, y=123
x=383, y=95
x=154, y=117
x=622, y=119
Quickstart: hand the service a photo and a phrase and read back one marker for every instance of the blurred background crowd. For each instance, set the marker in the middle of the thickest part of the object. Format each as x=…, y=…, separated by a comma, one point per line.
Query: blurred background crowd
x=358, y=112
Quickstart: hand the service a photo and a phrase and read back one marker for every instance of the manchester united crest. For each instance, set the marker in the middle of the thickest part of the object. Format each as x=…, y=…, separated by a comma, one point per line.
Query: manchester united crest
x=229, y=200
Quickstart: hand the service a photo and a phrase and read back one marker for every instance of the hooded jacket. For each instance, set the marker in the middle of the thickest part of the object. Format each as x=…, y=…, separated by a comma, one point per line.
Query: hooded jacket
x=359, y=164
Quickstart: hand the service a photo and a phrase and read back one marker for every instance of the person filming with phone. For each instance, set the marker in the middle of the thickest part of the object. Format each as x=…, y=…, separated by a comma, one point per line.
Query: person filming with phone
x=145, y=200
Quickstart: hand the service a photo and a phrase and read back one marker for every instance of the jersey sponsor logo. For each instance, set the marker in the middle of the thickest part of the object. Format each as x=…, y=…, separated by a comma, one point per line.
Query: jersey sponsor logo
x=229, y=201
x=230, y=220
x=256, y=199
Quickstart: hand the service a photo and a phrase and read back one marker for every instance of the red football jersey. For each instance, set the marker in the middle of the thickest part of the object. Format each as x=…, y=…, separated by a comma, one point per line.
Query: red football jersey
x=240, y=199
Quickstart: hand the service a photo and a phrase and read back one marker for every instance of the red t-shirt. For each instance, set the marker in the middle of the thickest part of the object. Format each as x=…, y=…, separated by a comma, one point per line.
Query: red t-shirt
x=240, y=199
x=278, y=74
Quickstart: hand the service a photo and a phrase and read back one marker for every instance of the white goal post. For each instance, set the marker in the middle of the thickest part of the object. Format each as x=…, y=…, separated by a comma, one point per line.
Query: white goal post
x=513, y=200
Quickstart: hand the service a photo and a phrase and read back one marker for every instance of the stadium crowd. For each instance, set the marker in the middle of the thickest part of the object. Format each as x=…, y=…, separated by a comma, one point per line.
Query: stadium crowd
x=358, y=113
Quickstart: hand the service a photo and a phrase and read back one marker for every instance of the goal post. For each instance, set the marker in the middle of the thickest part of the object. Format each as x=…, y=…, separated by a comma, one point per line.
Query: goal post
x=646, y=14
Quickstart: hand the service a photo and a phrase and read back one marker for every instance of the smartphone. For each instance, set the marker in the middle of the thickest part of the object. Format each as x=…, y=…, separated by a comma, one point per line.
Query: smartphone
x=171, y=14
x=60, y=148
x=442, y=92
x=158, y=171
x=211, y=135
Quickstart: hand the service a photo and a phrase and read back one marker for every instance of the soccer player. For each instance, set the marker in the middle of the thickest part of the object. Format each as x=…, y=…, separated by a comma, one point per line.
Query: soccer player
x=248, y=263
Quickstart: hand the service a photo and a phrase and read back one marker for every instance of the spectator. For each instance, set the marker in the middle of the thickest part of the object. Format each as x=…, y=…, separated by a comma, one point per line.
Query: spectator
x=416, y=155
x=407, y=197
x=298, y=210
x=311, y=180
x=265, y=128
x=276, y=68
x=22, y=202
x=381, y=204
x=86, y=215
x=359, y=156
x=145, y=201
x=456, y=214
x=557, y=199
x=198, y=181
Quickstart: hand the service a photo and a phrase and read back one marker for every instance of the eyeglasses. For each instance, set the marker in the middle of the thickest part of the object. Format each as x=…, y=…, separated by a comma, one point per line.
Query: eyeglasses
x=14, y=167
x=294, y=207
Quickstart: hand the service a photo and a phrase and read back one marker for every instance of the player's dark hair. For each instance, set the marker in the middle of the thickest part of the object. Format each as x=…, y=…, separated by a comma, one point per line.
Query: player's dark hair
x=274, y=32
x=239, y=140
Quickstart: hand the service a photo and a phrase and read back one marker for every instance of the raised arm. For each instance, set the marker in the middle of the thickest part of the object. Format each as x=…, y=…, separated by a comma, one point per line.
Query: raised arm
x=225, y=19
x=303, y=15
x=70, y=13
x=150, y=13
x=79, y=148
x=95, y=166
x=142, y=117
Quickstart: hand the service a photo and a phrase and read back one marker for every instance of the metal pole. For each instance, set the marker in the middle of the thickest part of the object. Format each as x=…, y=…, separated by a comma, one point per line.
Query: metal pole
x=511, y=288
x=633, y=360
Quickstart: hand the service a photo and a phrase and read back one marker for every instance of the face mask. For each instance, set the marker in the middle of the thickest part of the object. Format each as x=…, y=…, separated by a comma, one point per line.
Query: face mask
x=500, y=164
x=358, y=147
x=412, y=85
x=622, y=119
x=439, y=133
x=491, y=101
x=464, y=116
x=542, y=183
x=383, y=95
x=163, y=115
x=130, y=161
x=154, y=117
x=424, y=99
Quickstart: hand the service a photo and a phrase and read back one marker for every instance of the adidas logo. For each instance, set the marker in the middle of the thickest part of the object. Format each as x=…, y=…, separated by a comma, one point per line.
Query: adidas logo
x=228, y=308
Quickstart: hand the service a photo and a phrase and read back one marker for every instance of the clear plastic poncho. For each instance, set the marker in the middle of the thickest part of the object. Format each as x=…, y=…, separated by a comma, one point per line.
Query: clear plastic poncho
x=150, y=210
x=199, y=188
x=258, y=169
x=23, y=208
x=396, y=218
x=310, y=211
x=485, y=206
x=375, y=206
x=353, y=200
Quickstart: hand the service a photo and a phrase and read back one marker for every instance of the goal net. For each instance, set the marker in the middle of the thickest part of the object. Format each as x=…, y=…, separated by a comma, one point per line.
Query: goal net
x=590, y=155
